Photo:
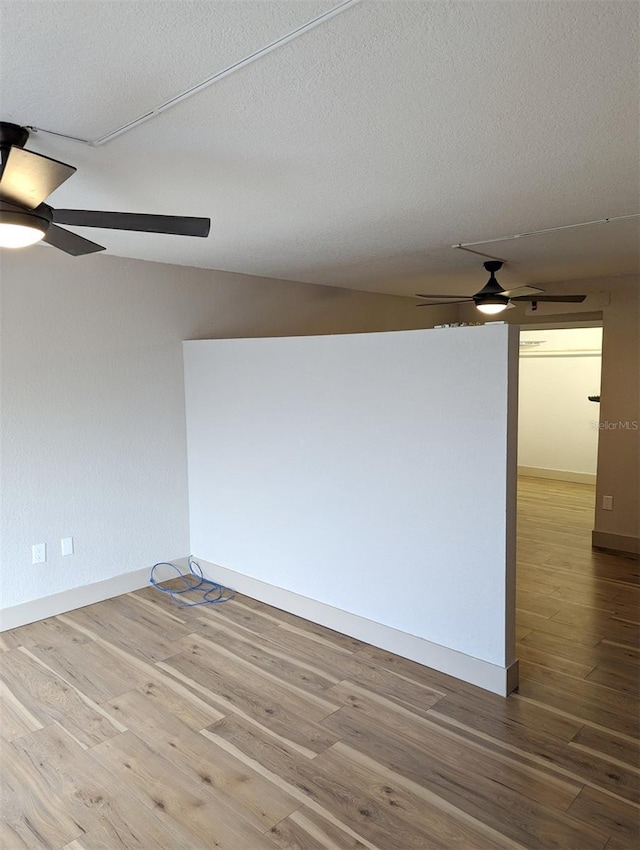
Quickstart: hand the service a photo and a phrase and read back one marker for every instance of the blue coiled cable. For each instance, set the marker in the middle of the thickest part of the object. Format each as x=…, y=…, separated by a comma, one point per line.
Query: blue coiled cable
x=194, y=580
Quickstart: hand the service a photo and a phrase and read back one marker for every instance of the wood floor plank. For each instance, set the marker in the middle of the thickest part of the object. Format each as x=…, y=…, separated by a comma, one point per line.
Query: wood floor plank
x=363, y=712
x=11, y=840
x=280, y=617
x=306, y=830
x=158, y=677
x=43, y=634
x=626, y=571
x=547, y=696
x=17, y=720
x=461, y=696
x=162, y=627
x=565, y=631
x=219, y=657
x=619, y=678
x=537, y=603
x=323, y=658
x=599, y=622
x=32, y=814
x=517, y=721
x=488, y=800
x=341, y=788
x=139, y=724
x=601, y=654
x=184, y=707
x=591, y=701
x=600, y=595
x=358, y=668
x=303, y=794
x=521, y=632
x=163, y=603
x=249, y=618
x=575, y=763
x=612, y=816
x=108, y=814
x=196, y=810
x=90, y=669
x=49, y=698
x=526, y=652
x=264, y=704
x=254, y=800
x=431, y=823
x=266, y=656
x=160, y=614
x=604, y=745
x=122, y=631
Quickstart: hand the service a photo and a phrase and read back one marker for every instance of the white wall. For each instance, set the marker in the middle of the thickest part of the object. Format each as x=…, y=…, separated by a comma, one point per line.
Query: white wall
x=619, y=440
x=93, y=429
x=557, y=427
x=367, y=472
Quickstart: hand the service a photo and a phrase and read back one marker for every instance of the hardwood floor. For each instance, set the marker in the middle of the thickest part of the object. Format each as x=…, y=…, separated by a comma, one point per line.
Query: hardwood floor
x=137, y=724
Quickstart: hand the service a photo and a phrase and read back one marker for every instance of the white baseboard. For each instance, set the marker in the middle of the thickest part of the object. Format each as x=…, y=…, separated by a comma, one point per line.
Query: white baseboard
x=491, y=677
x=558, y=474
x=615, y=542
x=77, y=597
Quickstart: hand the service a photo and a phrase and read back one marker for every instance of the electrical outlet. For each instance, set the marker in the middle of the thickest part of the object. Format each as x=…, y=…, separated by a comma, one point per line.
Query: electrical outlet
x=39, y=553
x=607, y=503
x=66, y=545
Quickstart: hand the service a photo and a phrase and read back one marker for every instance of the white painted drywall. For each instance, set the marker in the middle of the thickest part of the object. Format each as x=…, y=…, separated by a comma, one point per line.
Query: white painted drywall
x=557, y=424
x=619, y=439
x=367, y=472
x=93, y=428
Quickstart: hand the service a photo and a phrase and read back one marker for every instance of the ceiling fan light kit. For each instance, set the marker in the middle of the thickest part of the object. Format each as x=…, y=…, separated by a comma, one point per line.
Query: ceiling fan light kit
x=18, y=229
x=492, y=305
x=491, y=309
x=27, y=178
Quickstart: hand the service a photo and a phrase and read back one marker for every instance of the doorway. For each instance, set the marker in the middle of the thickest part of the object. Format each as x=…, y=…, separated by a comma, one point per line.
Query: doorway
x=559, y=369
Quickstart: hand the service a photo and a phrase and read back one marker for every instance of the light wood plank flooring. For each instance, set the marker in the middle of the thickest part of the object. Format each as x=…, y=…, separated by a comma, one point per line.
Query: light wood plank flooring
x=137, y=724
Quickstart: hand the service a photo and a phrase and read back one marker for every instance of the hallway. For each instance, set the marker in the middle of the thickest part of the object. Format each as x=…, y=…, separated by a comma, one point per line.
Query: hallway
x=577, y=640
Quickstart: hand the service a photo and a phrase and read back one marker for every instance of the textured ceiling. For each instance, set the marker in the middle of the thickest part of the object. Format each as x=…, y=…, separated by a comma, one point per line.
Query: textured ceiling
x=356, y=154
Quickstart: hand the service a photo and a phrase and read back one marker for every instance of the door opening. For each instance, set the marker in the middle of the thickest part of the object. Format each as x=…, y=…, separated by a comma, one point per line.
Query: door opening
x=558, y=427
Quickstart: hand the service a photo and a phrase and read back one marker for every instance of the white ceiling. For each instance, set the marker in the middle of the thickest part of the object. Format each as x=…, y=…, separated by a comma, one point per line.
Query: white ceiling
x=356, y=154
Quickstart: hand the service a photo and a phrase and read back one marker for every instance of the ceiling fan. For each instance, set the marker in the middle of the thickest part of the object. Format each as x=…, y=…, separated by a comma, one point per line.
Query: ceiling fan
x=27, y=178
x=492, y=298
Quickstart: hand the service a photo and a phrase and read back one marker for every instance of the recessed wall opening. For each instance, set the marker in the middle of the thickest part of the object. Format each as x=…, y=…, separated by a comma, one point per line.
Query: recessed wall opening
x=560, y=372
x=558, y=430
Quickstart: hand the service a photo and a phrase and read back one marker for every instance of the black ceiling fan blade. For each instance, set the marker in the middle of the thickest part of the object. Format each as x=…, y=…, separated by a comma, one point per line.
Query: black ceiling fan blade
x=174, y=224
x=459, y=297
x=28, y=178
x=439, y=304
x=521, y=290
x=568, y=299
x=70, y=242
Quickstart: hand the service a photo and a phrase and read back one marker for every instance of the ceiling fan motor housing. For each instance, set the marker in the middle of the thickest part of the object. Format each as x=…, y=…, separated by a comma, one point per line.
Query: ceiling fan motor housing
x=491, y=292
x=12, y=135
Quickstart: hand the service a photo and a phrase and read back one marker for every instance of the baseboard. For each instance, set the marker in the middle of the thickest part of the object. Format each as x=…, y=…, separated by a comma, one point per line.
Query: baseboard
x=77, y=597
x=558, y=474
x=491, y=677
x=615, y=542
